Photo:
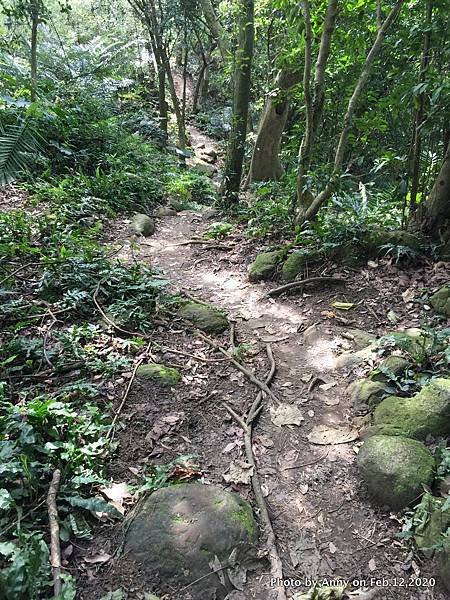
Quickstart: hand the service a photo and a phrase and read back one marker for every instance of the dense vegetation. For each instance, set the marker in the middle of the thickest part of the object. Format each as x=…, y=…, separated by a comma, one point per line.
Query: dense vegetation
x=333, y=119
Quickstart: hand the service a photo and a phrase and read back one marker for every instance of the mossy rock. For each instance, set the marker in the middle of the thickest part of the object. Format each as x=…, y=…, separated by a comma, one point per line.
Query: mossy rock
x=166, y=376
x=395, y=469
x=368, y=393
x=165, y=211
x=391, y=366
x=426, y=413
x=434, y=522
x=180, y=529
x=205, y=317
x=350, y=254
x=395, y=237
x=142, y=225
x=176, y=204
x=440, y=301
x=296, y=263
x=414, y=342
x=264, y=265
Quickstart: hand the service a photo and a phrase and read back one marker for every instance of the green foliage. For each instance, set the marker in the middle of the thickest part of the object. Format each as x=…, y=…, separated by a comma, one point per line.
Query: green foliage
x=217, y=231
x=18, y=143
x=160, y=476
x=189, y=189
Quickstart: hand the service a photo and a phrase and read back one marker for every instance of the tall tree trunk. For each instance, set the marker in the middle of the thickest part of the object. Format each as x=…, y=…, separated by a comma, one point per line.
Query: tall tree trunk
x=313, y=100
x=265, y=164
x=218, y=33
x=420, y=112
x=433, y=216
x=307, y=213
x=242, y=83
x=161, y=76
x=33, y=56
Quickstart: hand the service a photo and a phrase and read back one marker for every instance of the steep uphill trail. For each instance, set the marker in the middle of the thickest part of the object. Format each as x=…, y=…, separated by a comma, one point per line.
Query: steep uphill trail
x=324, y=522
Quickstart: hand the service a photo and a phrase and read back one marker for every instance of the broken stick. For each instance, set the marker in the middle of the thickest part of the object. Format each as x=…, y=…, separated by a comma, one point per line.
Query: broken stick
x=55, y=548
x=295, y=285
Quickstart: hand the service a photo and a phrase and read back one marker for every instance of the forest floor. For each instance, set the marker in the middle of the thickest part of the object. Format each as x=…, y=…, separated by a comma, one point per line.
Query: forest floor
x=324, y=521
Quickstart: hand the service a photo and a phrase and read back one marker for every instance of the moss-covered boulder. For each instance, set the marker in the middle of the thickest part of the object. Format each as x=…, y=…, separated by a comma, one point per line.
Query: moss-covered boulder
x=440, y=301
x=395, y=237
x=395, y=469
x=367, y=393
x=264, y=265
x=392, y=366
x=205, y=317
x=179, y=530
x=142, y=225
x=426, y=413
x=350, y=254
x=165, y=211
x=166, y=376
x=296, y=263
x=433, y=523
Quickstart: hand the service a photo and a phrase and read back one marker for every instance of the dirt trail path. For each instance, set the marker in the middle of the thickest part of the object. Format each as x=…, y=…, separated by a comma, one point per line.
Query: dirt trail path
x=325, y=525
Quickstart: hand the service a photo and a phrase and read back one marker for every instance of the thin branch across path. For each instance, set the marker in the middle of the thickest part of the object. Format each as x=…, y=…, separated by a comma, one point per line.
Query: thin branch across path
x=298, y=285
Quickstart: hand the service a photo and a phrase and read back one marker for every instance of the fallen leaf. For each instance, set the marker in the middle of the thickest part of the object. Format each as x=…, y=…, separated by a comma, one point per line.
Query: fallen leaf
x=327, y=386
x=332, y=548
x=343, y=305
x=239, y=472
x=372, y=264
x=303, y=488
x=101, y=557
x=392, y=317
x=286, y=414
x=324, y=435
x=117, y=493
x=372, y=565
x=408, y=295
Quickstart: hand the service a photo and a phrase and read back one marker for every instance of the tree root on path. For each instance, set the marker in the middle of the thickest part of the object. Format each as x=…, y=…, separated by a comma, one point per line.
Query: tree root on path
x=206, y=243
x=296, y=285
x=250, y=376
x=246, y=423
x=55, y=548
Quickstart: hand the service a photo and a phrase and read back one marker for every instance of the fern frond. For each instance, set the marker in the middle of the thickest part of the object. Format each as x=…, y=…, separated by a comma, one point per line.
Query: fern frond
x=18, y=145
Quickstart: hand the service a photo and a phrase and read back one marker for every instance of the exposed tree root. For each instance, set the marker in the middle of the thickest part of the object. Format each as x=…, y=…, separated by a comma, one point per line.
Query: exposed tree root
x=246, y=423
x=296, y=285
x=55, y=548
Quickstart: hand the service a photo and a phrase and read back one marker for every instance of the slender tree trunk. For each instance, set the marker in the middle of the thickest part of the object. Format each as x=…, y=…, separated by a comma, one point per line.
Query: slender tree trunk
x=33, y=56
x=433, y=216
x=265, y=164
x=242, y=83
x=313, y=100
x=308, y=213
x=218, y=33
x=420, y=112
x=161, y=75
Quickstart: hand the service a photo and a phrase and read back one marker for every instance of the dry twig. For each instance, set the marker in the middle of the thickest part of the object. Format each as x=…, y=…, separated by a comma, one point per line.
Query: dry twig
x=295, y=285
x=55, y=548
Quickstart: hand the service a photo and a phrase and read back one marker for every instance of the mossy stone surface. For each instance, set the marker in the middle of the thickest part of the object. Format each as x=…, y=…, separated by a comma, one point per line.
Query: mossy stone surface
x=142, y=225
x=395, y=237
x=426, y=413
x=165, y=211
x=166, y=376
x=434, y=523
x=205, y=317
x=264, y=265
x=395, y=469
x=296, y=263
x=180, y=529
x=395, y=365
x=440, y=301
x=366, y=392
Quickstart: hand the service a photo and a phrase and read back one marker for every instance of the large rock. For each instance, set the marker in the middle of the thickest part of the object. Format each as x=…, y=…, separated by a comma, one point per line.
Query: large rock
x=395, y=469
x=426, y=413
x=166, y=376
x=180, y=531
x=440, y=301
x=142, y=225
x=395, y=237
x=205, y=317
x=165, y=211
x=367, y=393
x=264, y=265
x=296, y=263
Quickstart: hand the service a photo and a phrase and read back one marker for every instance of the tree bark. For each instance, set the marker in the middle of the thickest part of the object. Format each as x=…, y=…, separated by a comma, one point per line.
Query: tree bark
x=420, y=112
x=433, y=216
x=242, y=83
x=308, y=213
x=313, y=101
x=265, y=164
x=218, y=32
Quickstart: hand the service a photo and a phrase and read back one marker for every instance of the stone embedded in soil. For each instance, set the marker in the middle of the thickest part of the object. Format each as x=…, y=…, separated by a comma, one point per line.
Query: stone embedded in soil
x=165, y=211
x=395, y=237
x=395, y=469
x=440, y=301
x=142, y=225
x=367, y=393
x=205, y=317
x=296, y=263
x=179, y=530
x=395, y=365
x=426, y=413
x=166, y=376
x=264, y=265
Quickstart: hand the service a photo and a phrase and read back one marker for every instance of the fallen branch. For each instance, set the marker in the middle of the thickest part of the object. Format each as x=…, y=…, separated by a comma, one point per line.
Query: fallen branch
x=207, y=243
x=247, y=426
x=250, y=376
x=296, y=285
x=55, y=548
